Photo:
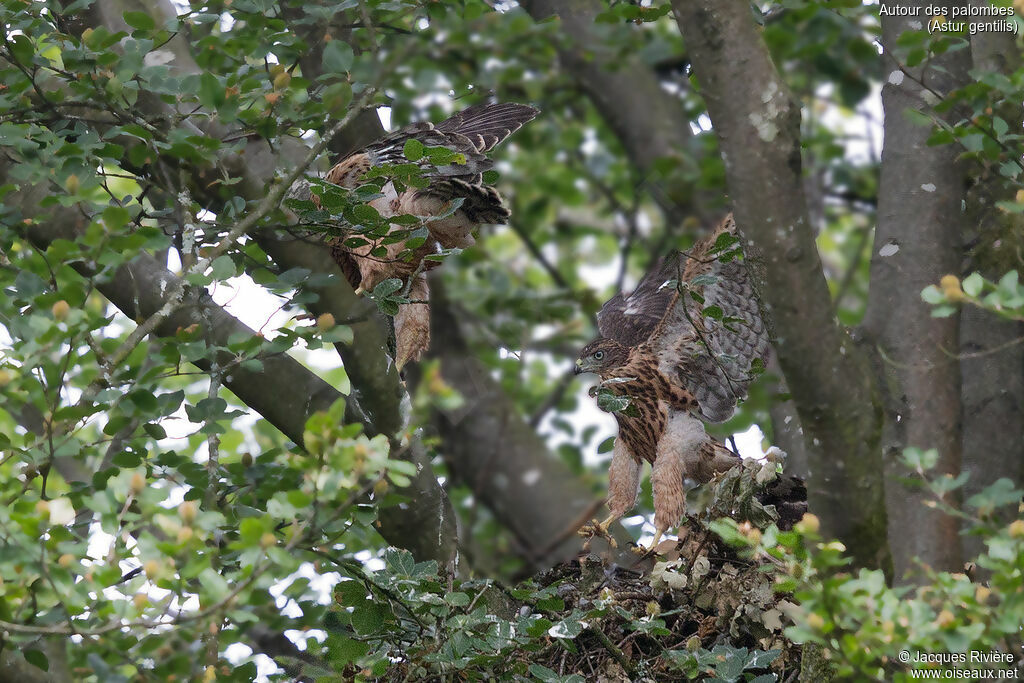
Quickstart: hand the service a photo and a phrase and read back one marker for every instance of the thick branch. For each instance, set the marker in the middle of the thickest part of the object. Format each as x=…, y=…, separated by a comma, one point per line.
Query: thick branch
x=650, y=122
x=758, y=126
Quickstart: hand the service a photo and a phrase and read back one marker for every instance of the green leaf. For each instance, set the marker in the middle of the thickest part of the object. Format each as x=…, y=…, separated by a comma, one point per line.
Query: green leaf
x=933, y=295
x=368, y=619
x=413, y=150
x=211, y=92
x=999, y=126
x=345, y=650
x=37, y=659
x=387, y=287
x=999, y=493
x=337, y=57
x=154, y=430
x=364, y=213
x=538, y=627
x=1008, y=285
x=973, y=284
x=213, y=584
x=22, y=48
x=699, y=281
x=759, y=659
x=606, y=445
x=399, y=562
x=223, y=267
x=457, y=599
x=713, y=312
x=139, y=20
x=543, y=673
x=611, y=403
x=116, y=217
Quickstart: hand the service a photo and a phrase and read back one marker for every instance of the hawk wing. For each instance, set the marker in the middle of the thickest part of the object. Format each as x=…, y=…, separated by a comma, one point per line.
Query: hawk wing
x=708, y=346
x=630, y=320
x=472, y=132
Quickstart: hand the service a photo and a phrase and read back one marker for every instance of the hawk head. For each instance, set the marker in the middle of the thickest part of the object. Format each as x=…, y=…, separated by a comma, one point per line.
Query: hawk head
x=602, y=356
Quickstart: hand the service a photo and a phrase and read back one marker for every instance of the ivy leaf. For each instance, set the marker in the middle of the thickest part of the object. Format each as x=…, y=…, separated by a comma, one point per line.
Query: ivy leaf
x=713, y=312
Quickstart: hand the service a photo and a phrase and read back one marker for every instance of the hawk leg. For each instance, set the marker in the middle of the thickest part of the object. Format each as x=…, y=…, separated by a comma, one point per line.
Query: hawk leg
x=412, y=324
x=623, y=487
x=667, y=484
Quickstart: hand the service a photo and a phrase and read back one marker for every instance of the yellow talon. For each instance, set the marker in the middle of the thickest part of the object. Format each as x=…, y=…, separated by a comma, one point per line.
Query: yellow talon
x=595, y=528
x=641, y=550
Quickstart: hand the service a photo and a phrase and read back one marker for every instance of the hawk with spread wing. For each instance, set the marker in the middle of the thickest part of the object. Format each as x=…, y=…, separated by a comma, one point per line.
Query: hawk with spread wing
x=683, y=347
x=471, y=133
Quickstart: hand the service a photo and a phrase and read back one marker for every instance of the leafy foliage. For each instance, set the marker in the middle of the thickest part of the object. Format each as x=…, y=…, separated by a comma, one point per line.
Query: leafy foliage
x=872, y=631
x=404, y=620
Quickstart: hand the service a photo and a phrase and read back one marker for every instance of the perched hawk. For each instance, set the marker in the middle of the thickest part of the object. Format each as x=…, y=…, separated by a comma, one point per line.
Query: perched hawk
x=471, y=133
x=681, y=347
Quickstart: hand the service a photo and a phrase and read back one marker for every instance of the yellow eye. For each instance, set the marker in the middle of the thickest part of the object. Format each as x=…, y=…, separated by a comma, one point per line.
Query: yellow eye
x=599, y=355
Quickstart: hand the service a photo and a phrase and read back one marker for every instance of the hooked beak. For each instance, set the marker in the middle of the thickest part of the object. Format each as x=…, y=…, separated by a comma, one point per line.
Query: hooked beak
x=578, y=370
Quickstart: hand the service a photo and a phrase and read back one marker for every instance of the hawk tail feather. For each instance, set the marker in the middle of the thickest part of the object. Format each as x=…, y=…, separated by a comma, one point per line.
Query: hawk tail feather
x=481, y=203
x=347, y=262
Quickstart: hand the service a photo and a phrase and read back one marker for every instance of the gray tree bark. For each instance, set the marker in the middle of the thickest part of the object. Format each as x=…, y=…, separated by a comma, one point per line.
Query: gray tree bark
x=917, y=241
x=992, y=355
x=757, y=122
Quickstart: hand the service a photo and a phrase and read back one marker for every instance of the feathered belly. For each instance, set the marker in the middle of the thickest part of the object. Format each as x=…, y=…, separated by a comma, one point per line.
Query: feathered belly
x=642, y=430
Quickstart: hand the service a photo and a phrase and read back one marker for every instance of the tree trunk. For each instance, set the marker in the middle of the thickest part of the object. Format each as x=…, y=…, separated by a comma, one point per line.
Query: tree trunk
x=992, y=356
x=917, y=241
